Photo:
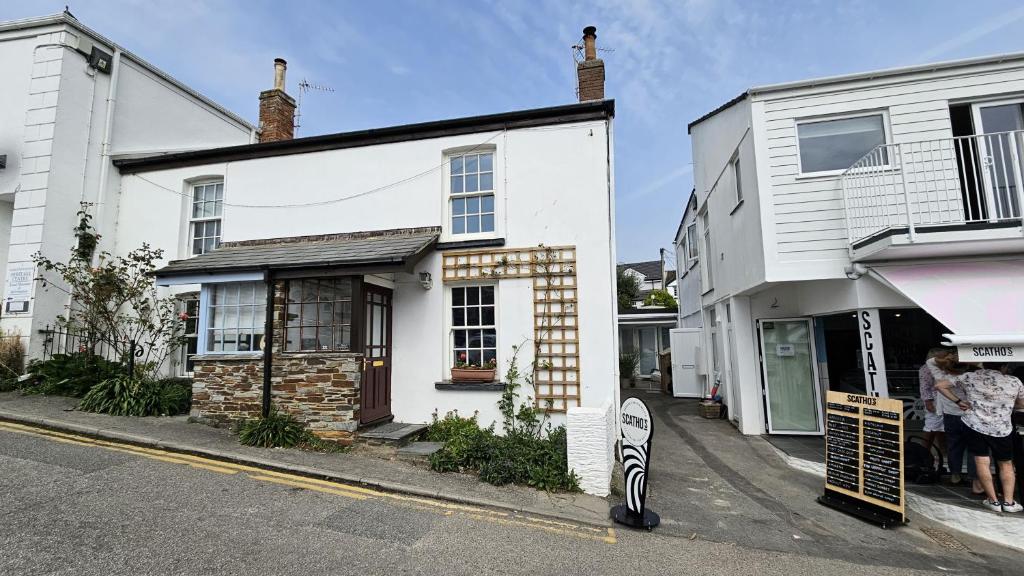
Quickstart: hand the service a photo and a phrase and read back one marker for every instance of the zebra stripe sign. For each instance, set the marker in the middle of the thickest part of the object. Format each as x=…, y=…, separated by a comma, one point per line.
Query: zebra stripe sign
x=637, y=428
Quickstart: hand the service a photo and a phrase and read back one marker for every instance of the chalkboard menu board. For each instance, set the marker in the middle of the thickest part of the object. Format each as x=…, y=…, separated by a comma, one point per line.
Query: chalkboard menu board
x=864, y=456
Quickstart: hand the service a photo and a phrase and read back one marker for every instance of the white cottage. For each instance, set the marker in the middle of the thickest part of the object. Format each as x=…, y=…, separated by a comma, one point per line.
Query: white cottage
x=342, y=277
x=843, y=226
x=74, y=100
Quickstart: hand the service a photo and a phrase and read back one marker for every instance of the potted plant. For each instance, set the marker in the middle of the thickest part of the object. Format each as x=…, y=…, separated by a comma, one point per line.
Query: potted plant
x=464, y=371
x=629, y=362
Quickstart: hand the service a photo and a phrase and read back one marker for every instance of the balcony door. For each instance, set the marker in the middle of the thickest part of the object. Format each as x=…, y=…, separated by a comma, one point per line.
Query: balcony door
x=1000, y=129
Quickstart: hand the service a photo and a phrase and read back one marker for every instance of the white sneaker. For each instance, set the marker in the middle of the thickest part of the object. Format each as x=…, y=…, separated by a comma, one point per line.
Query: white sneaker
x=992, y=505
x=1012, y=507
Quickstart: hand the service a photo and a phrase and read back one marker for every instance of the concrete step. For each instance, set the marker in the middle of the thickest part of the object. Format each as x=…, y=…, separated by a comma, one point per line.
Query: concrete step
x=419, y=452
x=396, y=434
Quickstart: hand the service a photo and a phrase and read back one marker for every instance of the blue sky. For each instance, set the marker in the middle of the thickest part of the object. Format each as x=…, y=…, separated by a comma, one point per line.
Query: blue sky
x=394, y=62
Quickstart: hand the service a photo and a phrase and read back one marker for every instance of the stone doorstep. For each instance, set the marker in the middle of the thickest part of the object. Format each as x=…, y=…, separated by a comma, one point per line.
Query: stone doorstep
x=393, y=433
x=418, y=452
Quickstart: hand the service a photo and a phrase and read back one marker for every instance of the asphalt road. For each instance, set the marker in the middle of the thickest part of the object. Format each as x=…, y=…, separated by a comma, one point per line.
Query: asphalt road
x=71, y=505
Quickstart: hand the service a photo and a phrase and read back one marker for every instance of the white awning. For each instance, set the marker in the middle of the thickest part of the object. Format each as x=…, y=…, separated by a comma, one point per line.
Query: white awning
x=982, y=302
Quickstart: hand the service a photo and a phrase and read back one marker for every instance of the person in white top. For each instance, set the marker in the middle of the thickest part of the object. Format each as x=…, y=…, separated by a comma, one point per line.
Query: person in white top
x=956, y=432
x=991, y=398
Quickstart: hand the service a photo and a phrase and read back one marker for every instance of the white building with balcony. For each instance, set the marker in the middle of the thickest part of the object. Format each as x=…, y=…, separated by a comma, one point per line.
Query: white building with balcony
x=843, y=226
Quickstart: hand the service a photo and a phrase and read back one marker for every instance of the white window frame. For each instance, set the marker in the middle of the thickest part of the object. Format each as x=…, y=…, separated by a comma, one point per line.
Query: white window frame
x=883, y=112
x=193, y=220
x=206, y=317
x=737, y=182
x=692, y=245
x=497, y=174
x=707, y=282
x=450, y=328
x=183, y=301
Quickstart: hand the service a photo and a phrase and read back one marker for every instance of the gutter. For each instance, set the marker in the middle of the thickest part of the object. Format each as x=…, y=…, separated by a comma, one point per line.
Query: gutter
x=108, y=129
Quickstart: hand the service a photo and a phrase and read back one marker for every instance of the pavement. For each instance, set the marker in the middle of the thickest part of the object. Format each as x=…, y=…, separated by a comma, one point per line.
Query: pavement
x=709, y=482
x=728, y=503
x=75, y=505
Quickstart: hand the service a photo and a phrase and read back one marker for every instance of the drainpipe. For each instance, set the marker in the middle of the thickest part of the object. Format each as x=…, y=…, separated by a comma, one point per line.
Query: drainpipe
x=268, y=341
x=108, y=129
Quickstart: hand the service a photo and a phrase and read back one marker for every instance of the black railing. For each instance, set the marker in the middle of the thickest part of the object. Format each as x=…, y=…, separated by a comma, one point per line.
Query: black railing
x=60, y=340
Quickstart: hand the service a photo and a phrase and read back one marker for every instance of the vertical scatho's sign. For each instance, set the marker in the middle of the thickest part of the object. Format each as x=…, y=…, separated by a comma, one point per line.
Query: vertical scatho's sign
x=864, y=457
x=870, y=329
x=637, y=430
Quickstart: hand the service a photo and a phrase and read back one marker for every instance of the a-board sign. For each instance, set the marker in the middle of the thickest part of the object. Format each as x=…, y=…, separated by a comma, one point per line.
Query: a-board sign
x=637, y=428
x=864, y=457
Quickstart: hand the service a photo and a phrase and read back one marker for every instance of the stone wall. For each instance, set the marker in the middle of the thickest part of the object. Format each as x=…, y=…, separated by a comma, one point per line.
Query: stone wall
x=320, y=389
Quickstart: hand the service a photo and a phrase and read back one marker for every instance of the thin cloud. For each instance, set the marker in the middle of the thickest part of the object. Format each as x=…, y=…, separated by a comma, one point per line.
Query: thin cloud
x=971, y=35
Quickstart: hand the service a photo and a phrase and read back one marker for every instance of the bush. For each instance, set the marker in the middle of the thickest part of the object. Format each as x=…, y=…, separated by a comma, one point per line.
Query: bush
x=516, y=458
x=70, y=374
x=277, y=430
x=12, y=356
x=124, y=396
x=662, y=298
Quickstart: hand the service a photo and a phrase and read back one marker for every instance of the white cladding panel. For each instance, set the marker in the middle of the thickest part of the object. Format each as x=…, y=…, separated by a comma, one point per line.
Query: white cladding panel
x=810, y=226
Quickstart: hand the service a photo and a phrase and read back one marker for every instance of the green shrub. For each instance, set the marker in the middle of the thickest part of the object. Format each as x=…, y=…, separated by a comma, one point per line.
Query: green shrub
x=124, y=396
x=466, y=445
x=70, y=374
x=277, y=430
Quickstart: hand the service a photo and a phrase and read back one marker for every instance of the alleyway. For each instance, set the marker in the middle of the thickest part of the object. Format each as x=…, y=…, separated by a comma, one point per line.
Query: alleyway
x=710, y=482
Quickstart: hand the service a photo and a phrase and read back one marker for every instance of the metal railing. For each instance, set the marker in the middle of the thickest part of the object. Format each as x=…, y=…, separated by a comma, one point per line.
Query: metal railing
x=59, y=340
x=909, y=186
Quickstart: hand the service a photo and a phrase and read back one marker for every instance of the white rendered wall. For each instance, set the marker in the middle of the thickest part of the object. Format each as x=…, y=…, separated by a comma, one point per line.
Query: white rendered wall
x=52, y=129
x=551, y=188
x=592, y=433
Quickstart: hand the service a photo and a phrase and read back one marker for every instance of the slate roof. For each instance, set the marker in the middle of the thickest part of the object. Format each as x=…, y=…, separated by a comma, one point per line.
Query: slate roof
x=651, y=270
x=389, y=248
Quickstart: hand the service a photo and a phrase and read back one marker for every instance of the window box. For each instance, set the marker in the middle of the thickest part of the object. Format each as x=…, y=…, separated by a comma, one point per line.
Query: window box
x=470, y=374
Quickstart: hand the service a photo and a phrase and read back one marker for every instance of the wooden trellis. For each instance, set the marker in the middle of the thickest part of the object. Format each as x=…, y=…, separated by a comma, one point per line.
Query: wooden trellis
x=556, y=319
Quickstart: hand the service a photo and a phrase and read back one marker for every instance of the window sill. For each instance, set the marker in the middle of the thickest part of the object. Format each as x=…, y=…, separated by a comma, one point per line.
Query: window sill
x=228, y=356
x=470, y=386
x=304, y=353
x=736, y=207
x=473, y=243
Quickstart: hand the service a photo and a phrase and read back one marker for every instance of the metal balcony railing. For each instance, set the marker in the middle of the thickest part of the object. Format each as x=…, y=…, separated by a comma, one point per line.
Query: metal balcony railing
x=912, y=186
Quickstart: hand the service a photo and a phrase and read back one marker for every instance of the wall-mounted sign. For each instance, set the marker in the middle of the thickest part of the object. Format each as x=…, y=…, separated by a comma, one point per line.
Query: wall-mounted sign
x=785, y=350
x=871, y=352
x=991, y=353
x=864, y=457
x=637, y=431
x=18, y=287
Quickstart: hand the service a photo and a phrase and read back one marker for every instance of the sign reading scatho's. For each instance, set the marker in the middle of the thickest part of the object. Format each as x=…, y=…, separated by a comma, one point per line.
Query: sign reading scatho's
x=637, y=428
x=991, y=353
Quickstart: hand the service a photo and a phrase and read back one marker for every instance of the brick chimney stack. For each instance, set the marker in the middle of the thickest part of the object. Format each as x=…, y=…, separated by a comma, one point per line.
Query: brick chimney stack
x=277, y=109
x=590, y=72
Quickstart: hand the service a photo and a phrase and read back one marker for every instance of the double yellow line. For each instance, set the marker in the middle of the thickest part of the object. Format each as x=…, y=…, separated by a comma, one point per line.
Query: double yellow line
x=583, y=531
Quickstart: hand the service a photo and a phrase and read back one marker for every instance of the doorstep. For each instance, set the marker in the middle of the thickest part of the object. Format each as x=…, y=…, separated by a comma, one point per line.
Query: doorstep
x=176, y=434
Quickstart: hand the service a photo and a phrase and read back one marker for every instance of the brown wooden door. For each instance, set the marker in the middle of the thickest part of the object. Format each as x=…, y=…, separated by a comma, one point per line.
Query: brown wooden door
x=375, y=402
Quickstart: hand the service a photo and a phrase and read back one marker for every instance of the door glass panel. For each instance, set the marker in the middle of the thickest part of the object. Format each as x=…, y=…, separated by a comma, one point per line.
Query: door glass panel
x=648, y=354
x=789, y=376
x=1002, y=156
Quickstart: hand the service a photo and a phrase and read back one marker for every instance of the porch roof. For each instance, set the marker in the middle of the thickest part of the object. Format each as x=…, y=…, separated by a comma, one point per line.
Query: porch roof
x=361, y=252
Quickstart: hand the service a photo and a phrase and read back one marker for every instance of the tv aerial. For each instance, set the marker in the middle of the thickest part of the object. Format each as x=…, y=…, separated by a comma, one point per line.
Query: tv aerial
x=304, y=87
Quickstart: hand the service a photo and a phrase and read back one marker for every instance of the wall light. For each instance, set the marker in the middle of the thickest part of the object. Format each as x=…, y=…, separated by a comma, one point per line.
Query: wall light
x=426, y=281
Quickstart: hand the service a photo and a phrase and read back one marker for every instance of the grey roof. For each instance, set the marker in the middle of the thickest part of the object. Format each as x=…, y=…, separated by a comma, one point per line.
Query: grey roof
x=384, y=248
x=651, y=270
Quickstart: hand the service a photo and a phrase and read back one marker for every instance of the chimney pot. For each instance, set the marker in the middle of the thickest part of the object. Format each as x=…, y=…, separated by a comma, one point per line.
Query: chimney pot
x=280, y=66
x=590, y=43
